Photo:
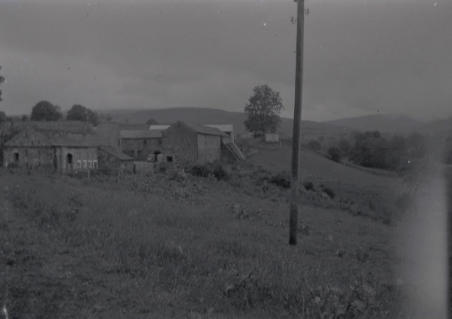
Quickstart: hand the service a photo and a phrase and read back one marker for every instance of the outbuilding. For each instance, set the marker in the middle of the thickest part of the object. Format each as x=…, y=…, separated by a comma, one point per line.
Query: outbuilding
x=35, y=149
x=142, y=145
x=192, y=143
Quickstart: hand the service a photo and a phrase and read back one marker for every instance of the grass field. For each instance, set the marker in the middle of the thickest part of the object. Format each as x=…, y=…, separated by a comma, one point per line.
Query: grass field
x=195, y=248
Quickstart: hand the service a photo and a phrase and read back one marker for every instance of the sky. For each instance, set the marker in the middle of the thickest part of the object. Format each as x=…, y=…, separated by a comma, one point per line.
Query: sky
x=361, y=57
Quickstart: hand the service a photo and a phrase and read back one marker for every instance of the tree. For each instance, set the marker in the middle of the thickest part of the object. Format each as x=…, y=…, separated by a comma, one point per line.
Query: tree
x=344, y=146
x=84, y=114
x=3, y=117
x=315, y=145
x=416, y=145
x=46, y=111
x=263, y=110
x=334, y=153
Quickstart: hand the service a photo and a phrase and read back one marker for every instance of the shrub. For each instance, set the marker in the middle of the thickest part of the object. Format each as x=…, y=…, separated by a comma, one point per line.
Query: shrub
x=199, y=170
x=344, y=146
x=315, y=145
x=309, y=186
x=220, y=173
x=205, y=170
x=328, y=191
x=281, y=180
x=334, y=153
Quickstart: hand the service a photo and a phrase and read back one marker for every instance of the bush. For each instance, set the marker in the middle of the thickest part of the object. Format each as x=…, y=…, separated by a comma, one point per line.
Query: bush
x=205, y=170
x=328, y=191
x=309, y=186
x=344, y=146
x=281, y=180
x=314, y=145
x=220, y=173
x=334, y=153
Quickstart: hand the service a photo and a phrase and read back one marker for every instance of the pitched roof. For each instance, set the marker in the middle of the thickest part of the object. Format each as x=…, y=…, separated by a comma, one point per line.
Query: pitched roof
x=160, y=127
x=131, y=134
x=77, y=127
x=116, y=153
x=31, y=137
x=201, y=129
x=225, y=128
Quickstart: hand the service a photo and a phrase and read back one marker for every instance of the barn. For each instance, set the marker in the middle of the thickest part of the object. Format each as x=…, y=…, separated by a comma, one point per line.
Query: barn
x=192, y=143
x=112, y=160
x=35, y=149
x=142, y=145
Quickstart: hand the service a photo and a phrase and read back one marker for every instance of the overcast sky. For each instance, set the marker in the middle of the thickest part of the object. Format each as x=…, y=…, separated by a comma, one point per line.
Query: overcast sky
x=361, y=56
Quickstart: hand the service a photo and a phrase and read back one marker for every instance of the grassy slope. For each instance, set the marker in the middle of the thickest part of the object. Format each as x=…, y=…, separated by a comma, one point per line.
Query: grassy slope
x=160, y=248
x=315, y=166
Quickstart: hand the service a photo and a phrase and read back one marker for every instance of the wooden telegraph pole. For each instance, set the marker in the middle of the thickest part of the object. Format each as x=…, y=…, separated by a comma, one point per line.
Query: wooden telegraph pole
x=295, y=182
x=2, y=80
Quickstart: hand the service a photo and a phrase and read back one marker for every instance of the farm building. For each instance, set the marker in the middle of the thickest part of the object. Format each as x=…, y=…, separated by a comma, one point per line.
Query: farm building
x=141, y=144
x=111, y=160
x=60, y=152
x=227, y=129
x=192, y=143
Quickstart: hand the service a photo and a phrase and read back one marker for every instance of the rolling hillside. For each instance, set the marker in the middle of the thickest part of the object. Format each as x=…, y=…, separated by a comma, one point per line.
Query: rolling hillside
x=388, y=123
x=310, y=129
x=317, y=167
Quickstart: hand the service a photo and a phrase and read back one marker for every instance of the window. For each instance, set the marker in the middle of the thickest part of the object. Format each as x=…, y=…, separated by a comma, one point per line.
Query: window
x=79, y=164
x=95, y=164
x=156, y=156
x=16, y=157
x=85, y=164
x=90, y=163
x=169, y=159
x=69, y=159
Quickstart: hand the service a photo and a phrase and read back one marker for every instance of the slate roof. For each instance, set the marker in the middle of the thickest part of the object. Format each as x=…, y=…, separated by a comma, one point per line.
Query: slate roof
x=75, y=127
x=222, y=127
x=201, y=129
x=31, y=137
x=139, y=134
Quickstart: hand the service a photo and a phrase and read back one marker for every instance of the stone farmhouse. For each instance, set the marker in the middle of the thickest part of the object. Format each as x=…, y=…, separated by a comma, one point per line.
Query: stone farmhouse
x=141, y=144
x=191, y=143
x=200, y=144
x=71, y=147
x=64, y=153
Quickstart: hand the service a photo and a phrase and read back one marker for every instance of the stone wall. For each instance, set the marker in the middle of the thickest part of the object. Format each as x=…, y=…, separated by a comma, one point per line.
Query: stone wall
x=141, y=148
x=209, y=148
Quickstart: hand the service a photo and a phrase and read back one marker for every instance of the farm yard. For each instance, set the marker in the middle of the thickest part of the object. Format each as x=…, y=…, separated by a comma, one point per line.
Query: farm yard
x=185, y=246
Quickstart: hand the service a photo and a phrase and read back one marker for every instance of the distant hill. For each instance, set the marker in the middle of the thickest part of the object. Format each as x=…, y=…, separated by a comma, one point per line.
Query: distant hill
x=389, y=123
x=310, y=129
x=439, y=128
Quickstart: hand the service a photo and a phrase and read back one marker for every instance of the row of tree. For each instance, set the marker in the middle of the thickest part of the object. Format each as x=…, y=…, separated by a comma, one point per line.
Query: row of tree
x=46, y=111
x=372, y=149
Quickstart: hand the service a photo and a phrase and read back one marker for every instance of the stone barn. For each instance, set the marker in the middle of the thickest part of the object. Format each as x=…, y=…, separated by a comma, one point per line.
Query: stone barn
x=192, y=143
x=64, y=153
x=112, y=160
x=142, y=145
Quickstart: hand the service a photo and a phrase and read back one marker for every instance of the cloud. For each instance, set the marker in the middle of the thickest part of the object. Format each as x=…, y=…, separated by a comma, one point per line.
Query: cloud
x=359, y=56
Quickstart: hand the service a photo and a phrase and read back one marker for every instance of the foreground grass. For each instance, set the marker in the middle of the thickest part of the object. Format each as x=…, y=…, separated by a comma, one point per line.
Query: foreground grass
x=92, y=249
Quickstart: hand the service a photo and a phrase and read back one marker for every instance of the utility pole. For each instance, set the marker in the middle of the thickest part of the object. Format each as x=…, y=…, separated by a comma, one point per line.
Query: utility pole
x=295, y=181
x=2, y=80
